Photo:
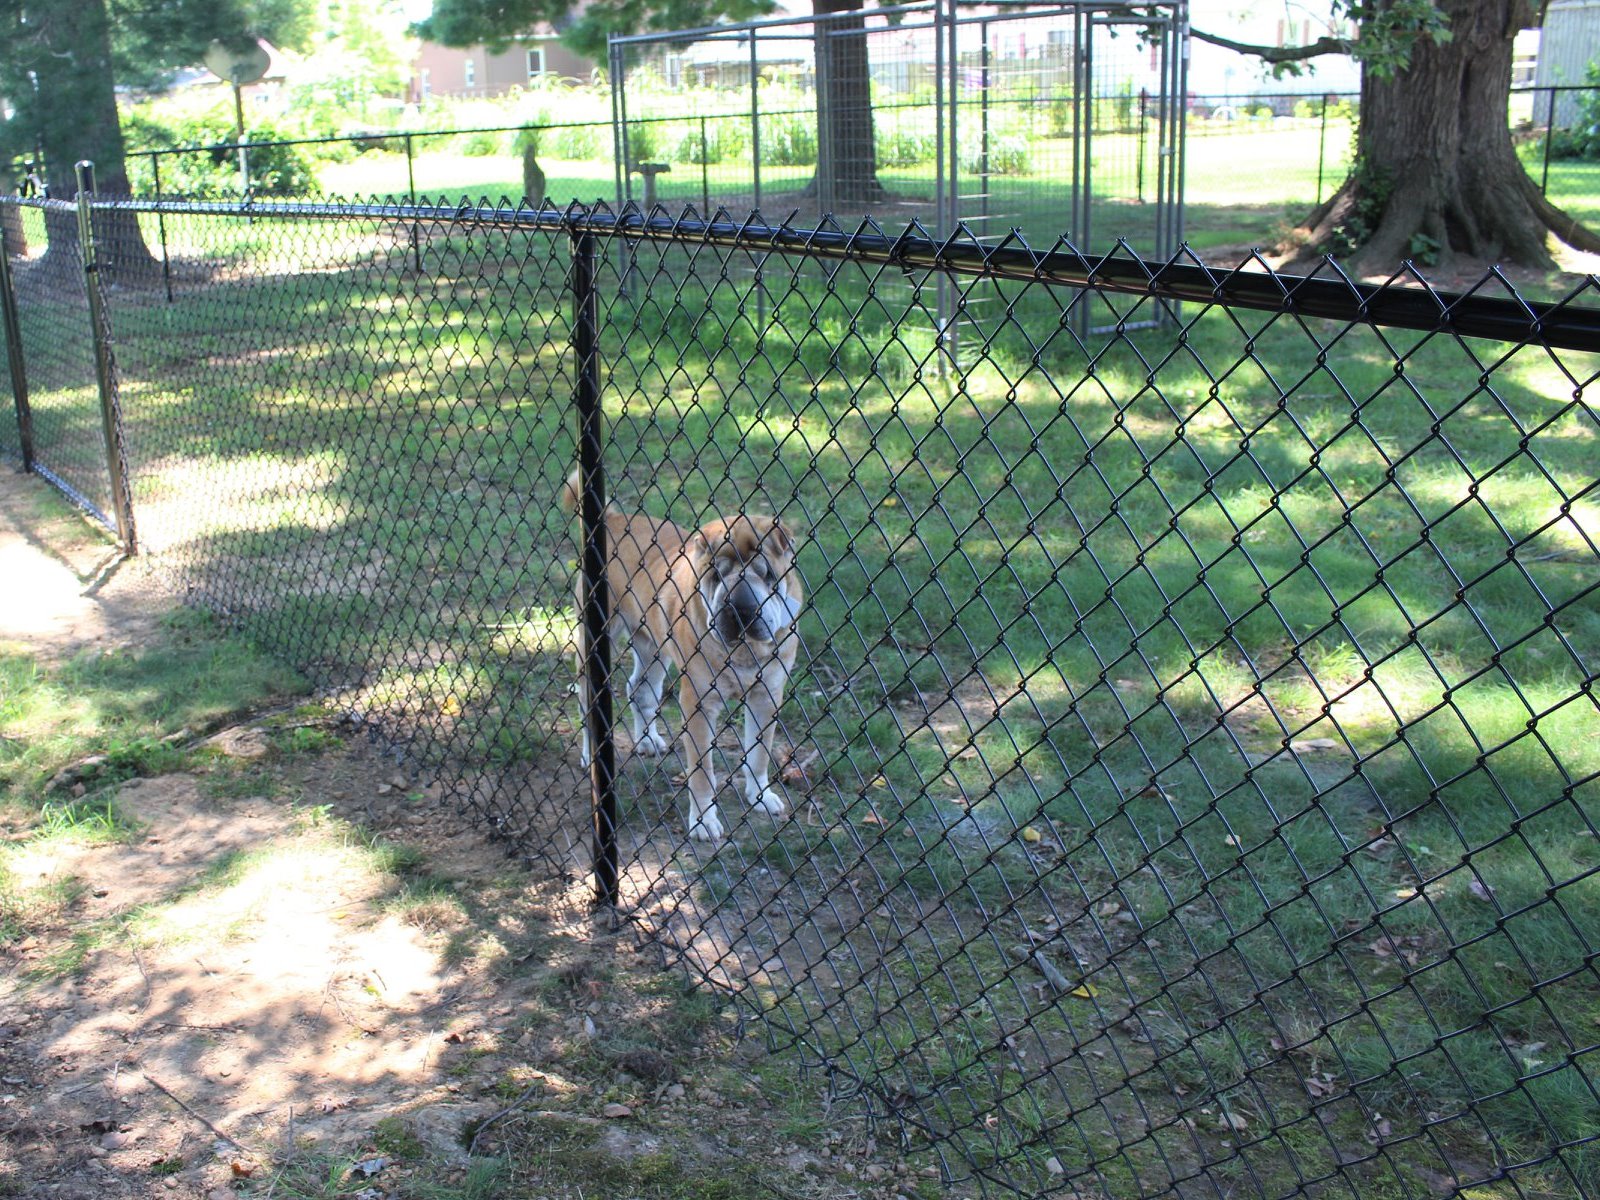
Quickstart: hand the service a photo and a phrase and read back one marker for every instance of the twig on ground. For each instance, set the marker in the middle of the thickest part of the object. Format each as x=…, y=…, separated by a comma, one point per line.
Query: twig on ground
x=170, y=1095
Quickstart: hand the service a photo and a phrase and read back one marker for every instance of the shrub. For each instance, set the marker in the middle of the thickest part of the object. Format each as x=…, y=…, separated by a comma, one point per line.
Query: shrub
x=1009, y=155
x=789, y=140
x=900, y=147
x=1582, y=140
x=642, y=143
x=480, y=143
x=579, y=143
x=209, y=168
x=725, y=141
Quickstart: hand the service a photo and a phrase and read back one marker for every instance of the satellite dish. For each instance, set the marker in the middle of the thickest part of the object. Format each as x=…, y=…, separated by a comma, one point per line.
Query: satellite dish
x=238, y=62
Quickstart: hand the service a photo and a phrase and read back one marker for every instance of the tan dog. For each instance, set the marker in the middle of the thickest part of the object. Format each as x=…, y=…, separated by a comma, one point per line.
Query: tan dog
x=720, y=603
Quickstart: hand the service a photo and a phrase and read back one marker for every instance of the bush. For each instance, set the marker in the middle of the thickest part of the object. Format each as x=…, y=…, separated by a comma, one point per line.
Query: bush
x=789, y=140
x=481, y=143
x=1583, y=139
x=209, y=168
x=899, y=147
x=642, y=143
x=1008, y=155
x=579, y=143
x=725, y=141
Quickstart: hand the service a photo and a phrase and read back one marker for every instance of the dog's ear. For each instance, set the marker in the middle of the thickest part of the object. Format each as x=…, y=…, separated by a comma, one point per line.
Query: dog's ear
x=697, y=546
x=778, y=539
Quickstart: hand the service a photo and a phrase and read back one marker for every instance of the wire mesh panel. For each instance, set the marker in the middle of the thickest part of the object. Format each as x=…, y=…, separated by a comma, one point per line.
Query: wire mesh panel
x=1157, y=764
x=340, y=452
x=58, y=350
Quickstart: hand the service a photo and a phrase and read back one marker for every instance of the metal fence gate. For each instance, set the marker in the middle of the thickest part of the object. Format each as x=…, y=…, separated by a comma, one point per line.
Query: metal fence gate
x=1043, y=116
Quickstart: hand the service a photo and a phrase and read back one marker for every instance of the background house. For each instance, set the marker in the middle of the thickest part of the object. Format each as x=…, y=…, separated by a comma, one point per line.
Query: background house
x=474, y=71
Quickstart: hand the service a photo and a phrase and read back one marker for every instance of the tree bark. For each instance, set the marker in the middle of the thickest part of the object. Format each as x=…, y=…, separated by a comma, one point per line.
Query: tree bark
x=1436, y=177
x=74, y=108
x=847, y=152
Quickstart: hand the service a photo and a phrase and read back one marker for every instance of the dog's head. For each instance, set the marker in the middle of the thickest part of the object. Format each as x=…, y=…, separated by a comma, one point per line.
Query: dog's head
x=743, y=565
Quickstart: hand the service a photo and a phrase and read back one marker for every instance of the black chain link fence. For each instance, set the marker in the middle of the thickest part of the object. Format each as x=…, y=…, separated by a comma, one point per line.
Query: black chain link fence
x=1184, y=776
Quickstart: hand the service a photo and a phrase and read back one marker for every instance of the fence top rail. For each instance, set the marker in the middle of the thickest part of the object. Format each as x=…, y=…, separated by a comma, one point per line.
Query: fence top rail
x=1405, y=301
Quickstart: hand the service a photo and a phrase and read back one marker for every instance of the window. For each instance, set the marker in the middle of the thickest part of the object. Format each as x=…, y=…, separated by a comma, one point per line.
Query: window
x=469, y=74
x=535, y=63
x=427, y=83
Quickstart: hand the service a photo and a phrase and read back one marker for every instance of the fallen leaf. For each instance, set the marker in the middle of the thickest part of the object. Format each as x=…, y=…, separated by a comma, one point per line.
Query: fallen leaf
x=1481, y=890
x=1230, y=840
x=1233, y=1122
x=369, y=1167
x=1084, y=991
x=451, y=706
x=1053, y=1165
x=1030, y=834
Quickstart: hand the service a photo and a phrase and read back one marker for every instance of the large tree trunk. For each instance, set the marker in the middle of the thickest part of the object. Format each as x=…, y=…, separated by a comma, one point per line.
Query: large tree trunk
x=1435, y=176
x=847, y=154
x=74, y=109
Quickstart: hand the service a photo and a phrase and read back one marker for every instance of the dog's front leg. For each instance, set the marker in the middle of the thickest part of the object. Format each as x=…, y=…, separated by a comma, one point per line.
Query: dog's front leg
x=760, y=722
x=700, y=713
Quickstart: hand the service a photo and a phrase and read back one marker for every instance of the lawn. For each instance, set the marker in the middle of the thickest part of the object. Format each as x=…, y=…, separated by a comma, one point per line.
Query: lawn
x=1131, y=652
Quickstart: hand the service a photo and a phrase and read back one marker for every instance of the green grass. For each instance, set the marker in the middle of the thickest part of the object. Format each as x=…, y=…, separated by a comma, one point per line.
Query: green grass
x=120, y=704
x=1142, y=565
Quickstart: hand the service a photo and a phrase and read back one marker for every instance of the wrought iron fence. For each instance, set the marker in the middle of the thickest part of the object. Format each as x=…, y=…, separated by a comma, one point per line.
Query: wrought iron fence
x=1185, y=771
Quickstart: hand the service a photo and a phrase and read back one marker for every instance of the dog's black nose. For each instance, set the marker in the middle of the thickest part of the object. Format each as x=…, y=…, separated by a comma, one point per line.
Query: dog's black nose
x=741, y=611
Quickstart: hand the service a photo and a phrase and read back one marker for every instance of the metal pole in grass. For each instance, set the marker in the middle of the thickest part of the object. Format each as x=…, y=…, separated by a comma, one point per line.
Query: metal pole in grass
x=104, y=368
x=1322, y=145
x=1144, y=97
x=161, y=224
x=705, y=176
x=596, y=614
x=411, y=191
x=1549, y=136
x=14, y=359
x=755, y=163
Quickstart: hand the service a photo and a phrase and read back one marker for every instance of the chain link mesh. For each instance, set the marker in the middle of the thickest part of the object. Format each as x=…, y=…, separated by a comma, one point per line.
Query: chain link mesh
x=1188, y=759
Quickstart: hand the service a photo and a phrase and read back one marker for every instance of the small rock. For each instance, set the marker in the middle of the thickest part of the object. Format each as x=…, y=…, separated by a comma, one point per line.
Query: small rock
x=118, y=1139
x=616, y=1111
x=674, y=1091
x=132, y=783
x=385, y=788
x=221, y=1194
x=78, y=790
x=875, y=1171
x=1053, y=1165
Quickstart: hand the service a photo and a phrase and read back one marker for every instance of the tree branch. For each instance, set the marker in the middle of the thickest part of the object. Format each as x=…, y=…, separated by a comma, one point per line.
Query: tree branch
x=1281, y=54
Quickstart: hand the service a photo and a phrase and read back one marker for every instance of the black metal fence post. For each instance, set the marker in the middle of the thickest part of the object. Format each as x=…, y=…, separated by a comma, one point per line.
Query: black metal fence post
x=104, y=367
x=161, y=224
x=595, y=617
x=14, y=357
x=411, y=193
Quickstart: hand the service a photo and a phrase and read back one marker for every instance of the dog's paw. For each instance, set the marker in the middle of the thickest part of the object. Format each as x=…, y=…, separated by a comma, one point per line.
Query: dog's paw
x=768, y=801
x=652, y=744
x=707, y=827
